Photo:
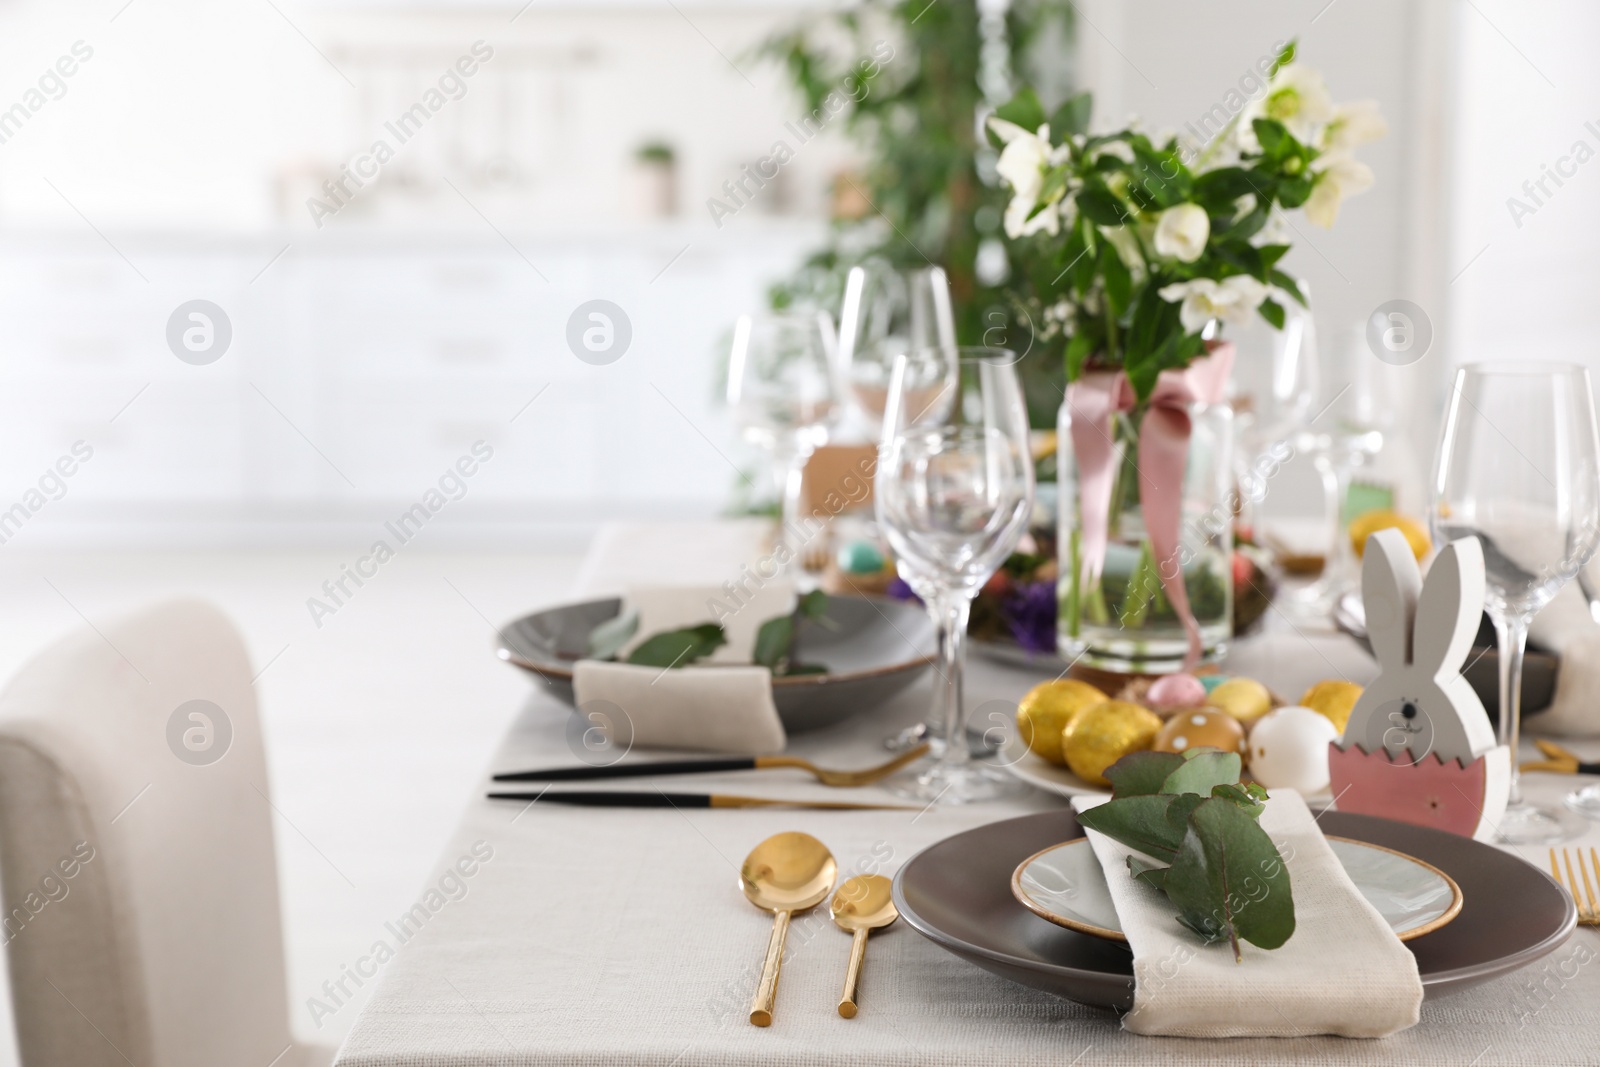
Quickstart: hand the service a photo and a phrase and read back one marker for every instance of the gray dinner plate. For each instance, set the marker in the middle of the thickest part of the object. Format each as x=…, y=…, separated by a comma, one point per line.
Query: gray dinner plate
x=957, y=894
x=873, y=647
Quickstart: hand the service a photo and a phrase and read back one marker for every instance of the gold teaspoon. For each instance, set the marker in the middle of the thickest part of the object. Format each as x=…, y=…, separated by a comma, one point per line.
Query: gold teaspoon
x=784, y=874
x=863, y=903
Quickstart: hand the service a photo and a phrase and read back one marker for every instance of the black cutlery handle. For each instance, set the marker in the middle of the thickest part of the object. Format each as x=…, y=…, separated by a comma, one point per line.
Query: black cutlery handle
x=629, y=770
x=606, y=799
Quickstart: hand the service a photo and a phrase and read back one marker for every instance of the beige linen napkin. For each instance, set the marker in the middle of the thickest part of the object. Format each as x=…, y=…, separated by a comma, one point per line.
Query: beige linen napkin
x=711, y=709
x=1343, y=972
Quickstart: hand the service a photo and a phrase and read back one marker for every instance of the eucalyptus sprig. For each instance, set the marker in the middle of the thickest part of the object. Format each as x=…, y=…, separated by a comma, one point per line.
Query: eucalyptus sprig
x=1190, y=812
x=774, y=646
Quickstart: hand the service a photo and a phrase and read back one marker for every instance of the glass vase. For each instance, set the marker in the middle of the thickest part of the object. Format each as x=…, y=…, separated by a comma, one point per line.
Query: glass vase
x=1122, y=618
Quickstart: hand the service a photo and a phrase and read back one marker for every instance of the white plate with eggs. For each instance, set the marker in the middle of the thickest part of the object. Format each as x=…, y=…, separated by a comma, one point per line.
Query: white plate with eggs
x=1040, y=773
x=1066, y=885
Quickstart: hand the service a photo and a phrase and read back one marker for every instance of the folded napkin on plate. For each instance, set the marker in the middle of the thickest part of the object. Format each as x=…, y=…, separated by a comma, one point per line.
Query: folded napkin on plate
x=1342, y=972
x=740, y=609
x=1566, y=628
x=712, y=709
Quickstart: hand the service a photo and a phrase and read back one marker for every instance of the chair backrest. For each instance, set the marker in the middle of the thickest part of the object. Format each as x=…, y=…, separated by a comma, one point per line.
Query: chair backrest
x=139, y=877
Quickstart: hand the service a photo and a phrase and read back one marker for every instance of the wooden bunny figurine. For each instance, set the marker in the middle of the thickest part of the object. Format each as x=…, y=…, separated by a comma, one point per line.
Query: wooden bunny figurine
x=1418, y=746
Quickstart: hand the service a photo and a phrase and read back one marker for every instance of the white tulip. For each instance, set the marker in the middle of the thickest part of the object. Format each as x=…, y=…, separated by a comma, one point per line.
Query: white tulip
x=1182, y=232
x=1297, y=97
x=1022, y=165
x=1337, y=176
x=1352, y=125
x=1233, y=300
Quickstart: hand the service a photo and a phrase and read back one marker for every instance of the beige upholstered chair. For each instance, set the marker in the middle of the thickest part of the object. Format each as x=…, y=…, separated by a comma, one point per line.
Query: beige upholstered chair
x=140, y=881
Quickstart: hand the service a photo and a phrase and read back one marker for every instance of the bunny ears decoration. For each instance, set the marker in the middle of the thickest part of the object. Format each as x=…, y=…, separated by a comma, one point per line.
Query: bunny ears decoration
x=1418, y=746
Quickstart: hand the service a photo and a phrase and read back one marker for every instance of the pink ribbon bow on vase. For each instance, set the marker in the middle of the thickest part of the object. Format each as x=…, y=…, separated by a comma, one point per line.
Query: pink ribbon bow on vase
x=1163, y=457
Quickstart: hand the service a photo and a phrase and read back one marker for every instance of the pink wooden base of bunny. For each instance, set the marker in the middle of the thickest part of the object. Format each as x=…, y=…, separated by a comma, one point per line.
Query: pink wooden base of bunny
x=1444, y=794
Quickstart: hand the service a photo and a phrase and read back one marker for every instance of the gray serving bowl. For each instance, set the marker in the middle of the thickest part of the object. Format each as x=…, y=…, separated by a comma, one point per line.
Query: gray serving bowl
x=873, y=648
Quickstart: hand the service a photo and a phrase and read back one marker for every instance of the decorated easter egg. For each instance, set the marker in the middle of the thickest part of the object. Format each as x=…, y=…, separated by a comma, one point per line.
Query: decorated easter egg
x=1100, y=735
x=1044, y=713
x=1201, y=728
x=1211, y=681
x=1369, y=523
x=1172, y=691
x=860, y=557
x=1334, y=698
x=1244, y=698
x=1289, y=750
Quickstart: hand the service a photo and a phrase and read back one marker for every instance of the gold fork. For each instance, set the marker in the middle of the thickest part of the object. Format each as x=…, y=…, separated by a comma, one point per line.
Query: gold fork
x=1588, y=911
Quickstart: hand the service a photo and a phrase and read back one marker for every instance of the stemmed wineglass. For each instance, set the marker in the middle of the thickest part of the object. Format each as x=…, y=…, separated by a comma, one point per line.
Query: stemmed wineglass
x=1274, y=386
x=887, y=313
x=954, y=492
x=1519, y=468
x=783, y=389
x=1341, y=438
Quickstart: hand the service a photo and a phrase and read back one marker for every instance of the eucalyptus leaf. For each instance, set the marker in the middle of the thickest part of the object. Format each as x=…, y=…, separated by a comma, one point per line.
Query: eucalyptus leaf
x=1228, y=880
x=1204, y=771
x=607, y=639
x=1138, y=822
x=1141, y=773
x=814, y=605
x=679, y=648
x=1240, y=796
x=773, y=641
x=1148, y=873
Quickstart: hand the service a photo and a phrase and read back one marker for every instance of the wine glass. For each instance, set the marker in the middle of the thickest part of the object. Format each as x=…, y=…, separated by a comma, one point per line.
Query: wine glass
x=887, y=313
x=1519, y=468
x=1274, y=388
x=954, y=492
x=1342, y=437
x=783, y=391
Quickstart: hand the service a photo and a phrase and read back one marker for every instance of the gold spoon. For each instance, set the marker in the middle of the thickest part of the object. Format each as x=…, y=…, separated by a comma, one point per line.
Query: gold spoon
x=784, y=874
x=863, y=903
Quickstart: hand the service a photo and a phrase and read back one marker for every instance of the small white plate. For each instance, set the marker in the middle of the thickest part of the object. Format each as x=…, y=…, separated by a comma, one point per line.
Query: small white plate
x=1041, y=773
x=1066, y=885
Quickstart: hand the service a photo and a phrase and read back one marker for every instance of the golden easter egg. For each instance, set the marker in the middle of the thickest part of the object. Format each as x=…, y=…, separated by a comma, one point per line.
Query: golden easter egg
x=1244, y=698
x=1100, y=735
x=1044, y=713
x=1201, y=728
x=1368, y=523
x=1334, y=699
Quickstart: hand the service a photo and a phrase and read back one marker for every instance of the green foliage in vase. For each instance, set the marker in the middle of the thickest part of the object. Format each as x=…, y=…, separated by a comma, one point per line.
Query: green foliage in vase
x=1141, y=250
x=927, y=179
x=1190, y=811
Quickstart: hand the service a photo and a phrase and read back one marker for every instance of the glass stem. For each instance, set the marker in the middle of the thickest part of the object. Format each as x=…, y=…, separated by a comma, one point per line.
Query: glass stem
x=791, y=474
x=1511, y=633
x=951, y=615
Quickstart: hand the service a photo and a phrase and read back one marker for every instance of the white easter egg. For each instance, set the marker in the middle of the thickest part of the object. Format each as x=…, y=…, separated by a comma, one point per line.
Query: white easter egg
x=1289, y=750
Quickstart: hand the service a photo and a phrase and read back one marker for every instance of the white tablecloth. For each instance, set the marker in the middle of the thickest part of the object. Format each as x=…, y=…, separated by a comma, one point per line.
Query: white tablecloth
x=621, y=936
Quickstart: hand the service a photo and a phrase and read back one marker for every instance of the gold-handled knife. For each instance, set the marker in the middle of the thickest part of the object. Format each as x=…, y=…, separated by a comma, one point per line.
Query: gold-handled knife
x=658, y=799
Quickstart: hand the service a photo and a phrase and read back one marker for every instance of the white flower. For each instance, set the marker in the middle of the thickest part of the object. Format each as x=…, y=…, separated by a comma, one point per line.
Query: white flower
x=1337, y=176
x=1232, y=300
x=1182, y=232
x=1353, y=125
x=1297, y=97
x=1127, y=245
x=1022, y=165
